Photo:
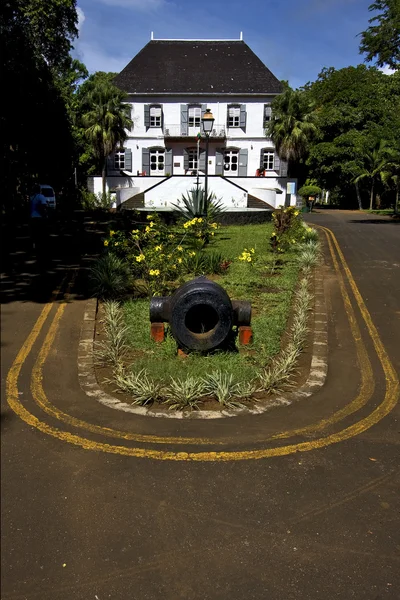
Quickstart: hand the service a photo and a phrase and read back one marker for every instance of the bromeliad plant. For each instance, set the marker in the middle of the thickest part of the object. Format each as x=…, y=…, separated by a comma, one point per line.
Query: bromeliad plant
x=200, y=214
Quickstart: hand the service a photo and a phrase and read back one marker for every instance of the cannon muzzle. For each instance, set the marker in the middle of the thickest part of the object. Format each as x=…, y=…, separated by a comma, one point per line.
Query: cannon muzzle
x=200, y=314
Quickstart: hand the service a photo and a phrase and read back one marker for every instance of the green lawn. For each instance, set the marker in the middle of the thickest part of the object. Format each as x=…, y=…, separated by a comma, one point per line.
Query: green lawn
x=268, y=289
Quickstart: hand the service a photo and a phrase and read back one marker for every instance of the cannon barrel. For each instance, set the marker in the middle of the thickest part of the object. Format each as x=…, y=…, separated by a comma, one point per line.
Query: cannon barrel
x=200, y=313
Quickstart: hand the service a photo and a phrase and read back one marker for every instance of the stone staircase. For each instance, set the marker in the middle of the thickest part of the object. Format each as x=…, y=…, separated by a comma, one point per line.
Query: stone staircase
x=136, y=201
x=253, y=202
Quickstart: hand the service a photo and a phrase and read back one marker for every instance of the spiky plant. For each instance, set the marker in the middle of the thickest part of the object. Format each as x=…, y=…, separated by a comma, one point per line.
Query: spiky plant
x=223, y=387
x=184, y=393
x=143, y=389
x=195, y=204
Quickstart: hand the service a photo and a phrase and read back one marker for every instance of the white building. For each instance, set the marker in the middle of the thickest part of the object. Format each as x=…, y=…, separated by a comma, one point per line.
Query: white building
x=170, y=84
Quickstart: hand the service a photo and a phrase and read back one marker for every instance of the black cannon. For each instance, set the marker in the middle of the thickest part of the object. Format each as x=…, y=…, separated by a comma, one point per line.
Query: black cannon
x=201, y=316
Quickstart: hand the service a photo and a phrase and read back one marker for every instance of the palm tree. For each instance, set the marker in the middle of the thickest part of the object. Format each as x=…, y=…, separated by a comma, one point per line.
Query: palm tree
x=377, y=164
x=292, y=125
x=106, y=120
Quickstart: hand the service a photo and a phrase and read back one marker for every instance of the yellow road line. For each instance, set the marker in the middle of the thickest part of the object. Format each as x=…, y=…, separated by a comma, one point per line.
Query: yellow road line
x=367, y=388
x=367, y=380
x=41, y=399
x=381, y=411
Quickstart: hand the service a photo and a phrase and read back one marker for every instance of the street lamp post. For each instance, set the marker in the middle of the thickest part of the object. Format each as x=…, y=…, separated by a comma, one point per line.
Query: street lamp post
x=208, y=124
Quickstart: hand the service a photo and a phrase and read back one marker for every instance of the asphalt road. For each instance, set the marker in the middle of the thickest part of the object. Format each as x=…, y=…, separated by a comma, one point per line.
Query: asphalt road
x=83, y=522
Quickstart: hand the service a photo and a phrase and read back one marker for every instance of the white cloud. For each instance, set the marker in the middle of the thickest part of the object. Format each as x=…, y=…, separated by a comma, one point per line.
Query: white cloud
x=81, y=18
x=388, y=71
x=142, y=5
x=97, y=59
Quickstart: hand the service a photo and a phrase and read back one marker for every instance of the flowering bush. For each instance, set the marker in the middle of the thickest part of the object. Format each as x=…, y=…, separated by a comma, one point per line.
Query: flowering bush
x=199, y=230
x=247, y=255
x=159, y=256
x=288, y=229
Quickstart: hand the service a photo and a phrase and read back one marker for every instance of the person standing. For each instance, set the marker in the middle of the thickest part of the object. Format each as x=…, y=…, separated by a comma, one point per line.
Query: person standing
x=39, y=224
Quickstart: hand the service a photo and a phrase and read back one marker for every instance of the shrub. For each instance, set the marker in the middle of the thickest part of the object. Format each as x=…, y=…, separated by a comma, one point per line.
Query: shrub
x=110, y=277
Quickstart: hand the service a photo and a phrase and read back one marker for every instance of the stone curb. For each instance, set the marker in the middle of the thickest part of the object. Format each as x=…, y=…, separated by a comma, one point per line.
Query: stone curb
x=315, y=380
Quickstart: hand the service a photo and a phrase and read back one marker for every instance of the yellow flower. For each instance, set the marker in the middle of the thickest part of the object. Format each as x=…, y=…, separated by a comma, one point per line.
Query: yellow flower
x=179, y=260
x=249, y=259
x=116, y=243
x=140, y=258
x=214, y=225
x=273, y=234
x=154, y=272
x=135, y=230
x=150, y=217
x=158, y=248
x=151, y=223
x=252, y=250
x=179, y=248
x=199, y=220
x=112, y=233
x=147, y=229
x=192, y=253
x=106, y=242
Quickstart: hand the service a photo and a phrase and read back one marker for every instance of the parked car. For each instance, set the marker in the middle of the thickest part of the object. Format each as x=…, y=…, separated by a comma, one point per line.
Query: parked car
x=49, y=194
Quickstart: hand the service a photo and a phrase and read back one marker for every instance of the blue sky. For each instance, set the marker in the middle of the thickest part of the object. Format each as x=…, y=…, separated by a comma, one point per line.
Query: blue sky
x=294, y=38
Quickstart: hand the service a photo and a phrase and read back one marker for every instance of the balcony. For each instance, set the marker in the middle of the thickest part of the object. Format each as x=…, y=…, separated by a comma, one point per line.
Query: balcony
x=175, y=131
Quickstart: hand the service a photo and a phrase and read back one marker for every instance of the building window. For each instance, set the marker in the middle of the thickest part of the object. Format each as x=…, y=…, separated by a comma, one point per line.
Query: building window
x=267, y=161
x=157, y=162
x=231, y=161
x=192, y=159
x=234, y=116
x=194, y=116
x=155, y=116
x=119, y=160
x=267, y=113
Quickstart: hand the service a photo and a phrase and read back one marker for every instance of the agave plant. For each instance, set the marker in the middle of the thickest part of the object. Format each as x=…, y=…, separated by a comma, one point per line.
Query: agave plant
x=195, y=204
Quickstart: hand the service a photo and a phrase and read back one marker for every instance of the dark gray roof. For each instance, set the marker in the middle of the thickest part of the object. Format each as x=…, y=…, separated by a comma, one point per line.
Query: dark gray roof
x=203, y=67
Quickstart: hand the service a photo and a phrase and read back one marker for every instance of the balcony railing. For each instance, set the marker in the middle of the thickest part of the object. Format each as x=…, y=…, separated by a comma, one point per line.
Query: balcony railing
x=177, y=131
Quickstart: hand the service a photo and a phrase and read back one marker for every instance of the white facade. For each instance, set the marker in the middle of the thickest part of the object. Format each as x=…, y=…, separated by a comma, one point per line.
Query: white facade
x=163, y=142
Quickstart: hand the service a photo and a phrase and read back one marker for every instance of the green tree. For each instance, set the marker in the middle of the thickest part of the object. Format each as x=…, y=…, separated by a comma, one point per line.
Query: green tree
x=35, y=39
x=356, y=107
x=292, y=126
x=376, y=165
x=106, y=119
x=381, y=41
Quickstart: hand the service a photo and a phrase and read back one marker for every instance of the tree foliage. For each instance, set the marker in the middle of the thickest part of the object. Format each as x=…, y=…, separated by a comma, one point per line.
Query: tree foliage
x=356, y=107
x=105, y=117
x=37, y=139
x=381, y=41
x=292, y=126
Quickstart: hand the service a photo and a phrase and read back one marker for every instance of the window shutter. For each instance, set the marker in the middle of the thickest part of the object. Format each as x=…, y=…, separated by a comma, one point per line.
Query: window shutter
x=111, y=163
x=185, y=159
x=162, y=118
x=146, y=160
x=243, y=155
x=262, y=158
x=202, y=160
x=277, y=163
x=267, y=113
x=284, y=168
x=243, y=116
x=184, y=119
x=168, y=161
x=147, y=116
x=203, y=109
x=219, y=162
x=128, y=159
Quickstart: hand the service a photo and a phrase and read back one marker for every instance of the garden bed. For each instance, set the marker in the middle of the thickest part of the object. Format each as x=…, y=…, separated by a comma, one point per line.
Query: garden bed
x=256, y=268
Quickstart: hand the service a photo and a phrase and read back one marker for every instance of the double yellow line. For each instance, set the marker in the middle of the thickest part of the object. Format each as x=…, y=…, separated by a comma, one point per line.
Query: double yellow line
x=366, y=391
